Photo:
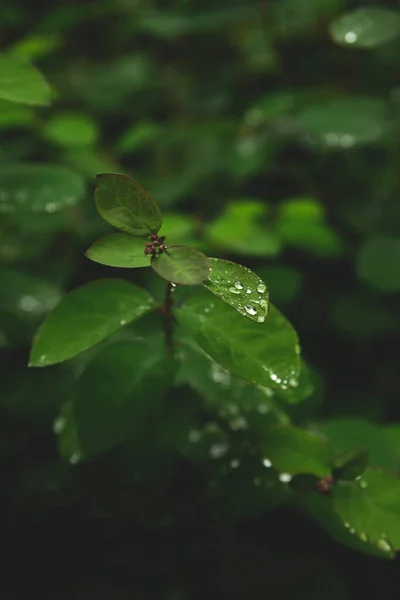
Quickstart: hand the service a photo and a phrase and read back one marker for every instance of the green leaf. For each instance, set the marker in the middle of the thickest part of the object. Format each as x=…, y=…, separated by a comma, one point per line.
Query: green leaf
x=303, y=483
x=21, y=82
x=117, y=390
x=293, y=451
x=126, y=205
x=182, y=265
x=239, y=287
x=284, y=283
x=71, y=130
x=351, y=465
x=366, y=27
x=344, y=122
x=378, y=263
x=64, y=427
x=119, y=250
x=347, y=434
x=30, y=187
x=242, y=228
x=85, y=317
x=371, y=508
x=264, y=353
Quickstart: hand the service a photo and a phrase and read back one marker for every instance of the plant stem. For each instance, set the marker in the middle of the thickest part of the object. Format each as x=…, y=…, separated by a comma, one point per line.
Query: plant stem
x=168, y=316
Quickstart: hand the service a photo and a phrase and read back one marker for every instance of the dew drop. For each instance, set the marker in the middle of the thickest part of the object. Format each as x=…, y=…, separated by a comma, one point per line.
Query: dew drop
x=248, y=291
x=122, y=322
x=218, y=450
x=59, y=425
x=235, y=463
x=350, y=37
x=261, y=289
x=384, y=545
x=75, y=458
x=363, y=484
x=234, y=290
x=29, y=304
x=260, y=319
x=250, y=309
x=363, y=536
x=50, y=207
x=267, y=463
x=352, y=530
x=42, y=358
x=238, y=285
x=285, y=477
x=347, y=525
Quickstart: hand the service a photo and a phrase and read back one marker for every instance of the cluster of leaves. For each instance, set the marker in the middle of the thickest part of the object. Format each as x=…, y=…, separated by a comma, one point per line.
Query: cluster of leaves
x=268, y=133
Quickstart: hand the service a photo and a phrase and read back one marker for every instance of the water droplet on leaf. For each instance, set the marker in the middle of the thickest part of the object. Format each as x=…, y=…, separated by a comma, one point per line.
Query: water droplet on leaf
x=250, y=309
x=267, y=463
x=285, y=477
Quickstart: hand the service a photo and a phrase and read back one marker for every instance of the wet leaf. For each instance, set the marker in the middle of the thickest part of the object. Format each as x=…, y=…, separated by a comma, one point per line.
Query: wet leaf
x=21, y=82
x=182, y=265
x=117, y=390
x=30, y=187
x=293, y=451
x=119, y=250
x=264, y=353
x=239, y=287
x=366, y=27
x=86, y=316
x=351, y=465
x=126, y=205
x=378, y=263
x=371, y=508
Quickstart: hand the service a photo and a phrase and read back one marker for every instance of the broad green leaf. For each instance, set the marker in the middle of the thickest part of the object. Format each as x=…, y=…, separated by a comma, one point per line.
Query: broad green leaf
x=117, y=390
x=264, y=353
x=378, y=263
x=366, y=27
x=30, y=187
x=347, y=434
x=119, y=250
x=293, y=451
x=344, y=122
x=21, y=82
x=126, y=205
x=71, y=130
x=182, y=265
x=322, y=510
x=242, y=228
x=239, y=287
x=371, y=508
x=86, y=316
x=351, y=465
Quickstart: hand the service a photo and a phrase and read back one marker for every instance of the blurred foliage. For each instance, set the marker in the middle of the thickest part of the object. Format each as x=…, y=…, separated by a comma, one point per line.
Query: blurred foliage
x=268, y=132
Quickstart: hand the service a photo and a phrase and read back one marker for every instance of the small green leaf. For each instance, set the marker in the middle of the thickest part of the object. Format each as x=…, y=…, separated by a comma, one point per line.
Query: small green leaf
x=126, y=205
x=378, y=263
x=293, y=451
x=264, y=353
x=117, y=390
x=85, y=317
x=371, y=508
x=366, y=27
x=41, y=188
x=71, y=130
x=21, y=82
x=351, y=465
x=119, y=250
x=182, y=265
x=239, y=287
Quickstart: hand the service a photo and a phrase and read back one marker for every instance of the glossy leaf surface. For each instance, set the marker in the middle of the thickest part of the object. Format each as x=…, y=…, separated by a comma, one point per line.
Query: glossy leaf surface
x=119, y=250
x=182, y=265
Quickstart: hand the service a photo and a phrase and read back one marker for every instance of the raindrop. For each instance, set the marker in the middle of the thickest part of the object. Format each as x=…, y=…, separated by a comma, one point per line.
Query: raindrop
x=248, y=291
x=363, y=484
x=194, y=436
x=347, y=141
x=29, y=304
x=122, y=322
x=42, y=358
x=352, y=530
x=218, y=450
x=220, y=375
x=261, y=288
x=235, y=463
x=263, y=409
x=238, y=285
x=234, y=290
x=50, y=207
x=250, y=309
x=260, y=319
x=285, y=477
x=238, y=423
x=347, y=525
x=59, y=425
x=350, y=37
x=267, y=463
x=75, y=458
x=384, y=545
x=363, y=536
x=275, y=378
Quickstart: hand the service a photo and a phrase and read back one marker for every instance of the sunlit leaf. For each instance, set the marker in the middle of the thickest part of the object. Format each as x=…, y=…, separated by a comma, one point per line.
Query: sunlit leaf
x=21, y=82
x=371, y=508
x=182, y=265
x=264, y=353
x=366, y=27
x=239, y=287
x=86, y=316
x=71, y=130
x=119, y=250
x=126, y=205
x=38, y=187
